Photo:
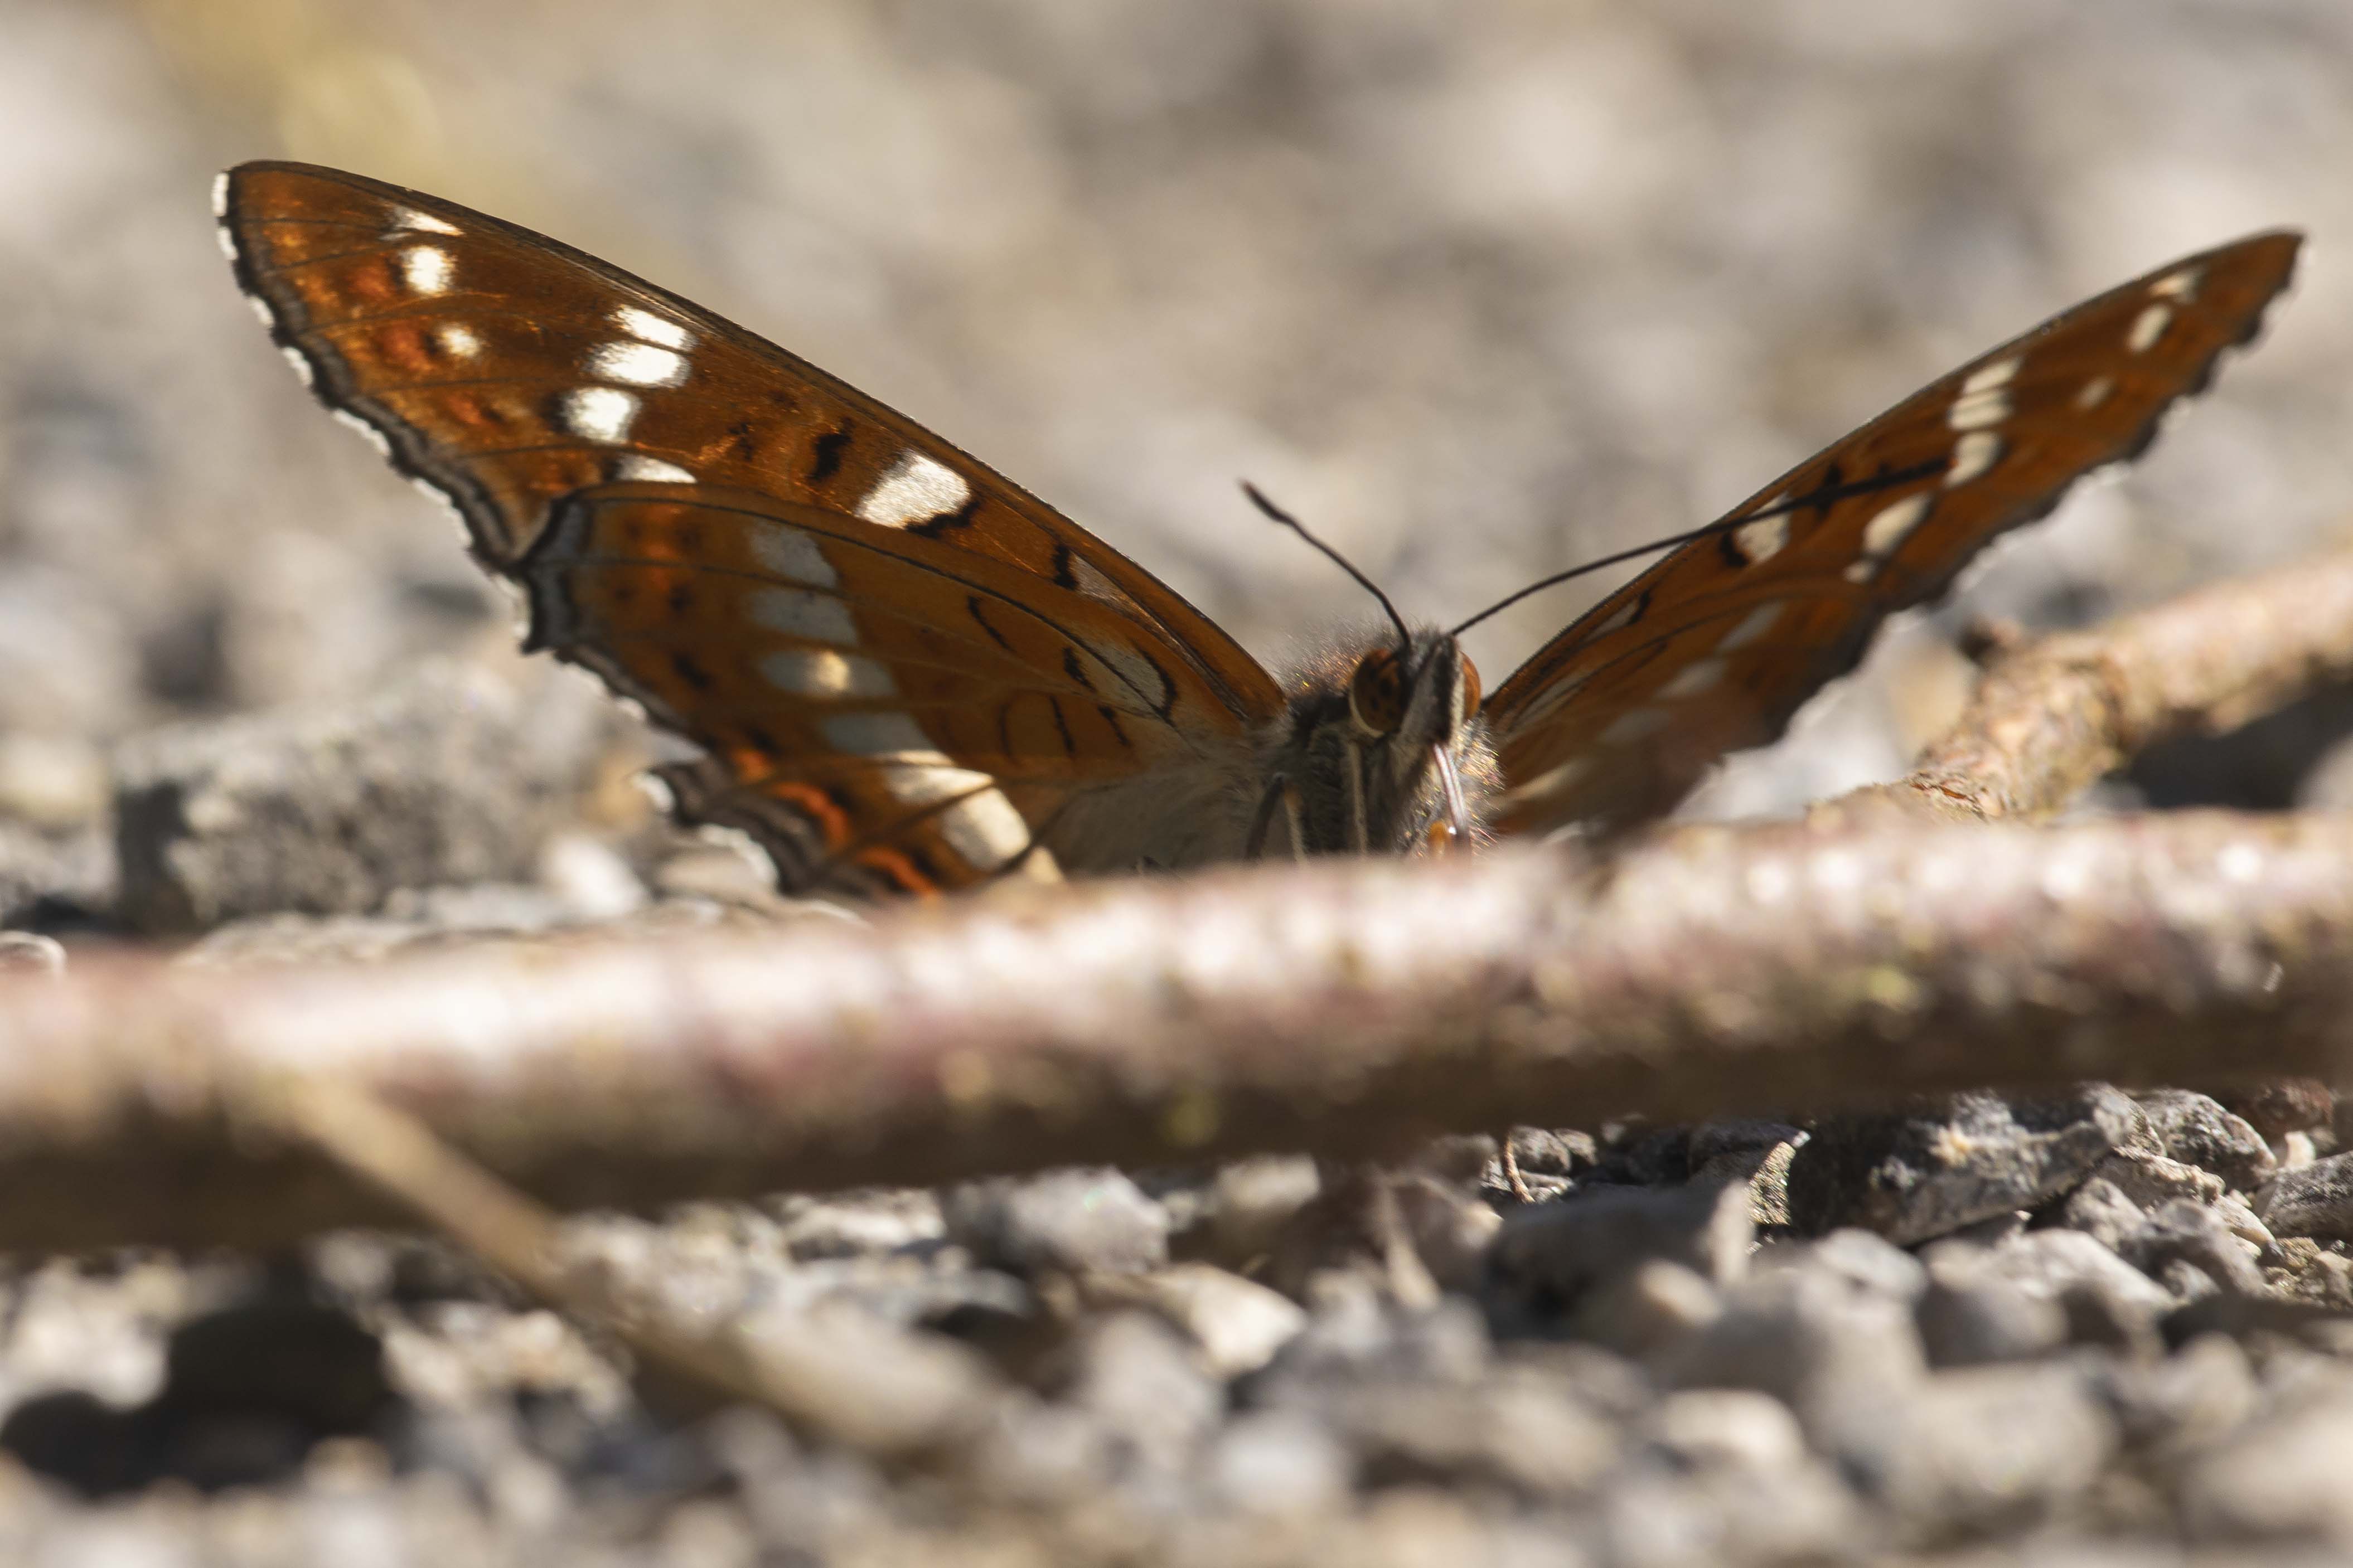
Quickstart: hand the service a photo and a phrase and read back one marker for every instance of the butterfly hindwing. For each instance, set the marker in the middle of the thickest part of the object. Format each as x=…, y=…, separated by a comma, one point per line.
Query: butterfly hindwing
x=880, y=711
x=1717, y=646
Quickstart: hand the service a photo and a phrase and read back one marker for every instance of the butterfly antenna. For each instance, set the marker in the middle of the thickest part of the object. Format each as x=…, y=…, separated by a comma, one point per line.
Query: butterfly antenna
x=1258, y=500
x=1822, y=497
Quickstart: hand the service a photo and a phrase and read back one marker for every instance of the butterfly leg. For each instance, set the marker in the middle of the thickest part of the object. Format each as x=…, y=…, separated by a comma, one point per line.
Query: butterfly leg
x=1279, y=792
x=1456, y=828
x=1359, y=835
x=1254, y=847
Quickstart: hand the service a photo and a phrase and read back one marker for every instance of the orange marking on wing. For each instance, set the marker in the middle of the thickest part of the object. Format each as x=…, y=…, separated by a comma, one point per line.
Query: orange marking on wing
x=374, y=283
x=820, y=807
x=472, y=409
x=407, y=345
x=896, y=867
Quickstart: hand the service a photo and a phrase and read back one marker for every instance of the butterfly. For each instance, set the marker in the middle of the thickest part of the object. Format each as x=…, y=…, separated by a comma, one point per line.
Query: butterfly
x=905, y=674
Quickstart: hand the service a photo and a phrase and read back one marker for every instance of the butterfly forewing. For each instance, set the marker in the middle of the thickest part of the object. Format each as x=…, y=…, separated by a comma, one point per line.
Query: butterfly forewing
x=1717, y=645
x=506, y=370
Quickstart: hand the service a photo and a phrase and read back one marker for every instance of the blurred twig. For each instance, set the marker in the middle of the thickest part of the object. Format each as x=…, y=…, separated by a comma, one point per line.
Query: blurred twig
x=843, y=1376
x=1342, y=1007
x=2052, y=717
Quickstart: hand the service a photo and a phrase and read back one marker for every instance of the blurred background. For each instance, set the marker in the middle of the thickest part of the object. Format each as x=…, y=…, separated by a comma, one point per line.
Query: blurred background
x=1480, y=291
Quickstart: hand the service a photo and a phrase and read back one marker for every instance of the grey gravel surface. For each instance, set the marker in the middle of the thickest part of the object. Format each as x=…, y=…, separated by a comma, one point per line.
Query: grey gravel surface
x=1482, y=292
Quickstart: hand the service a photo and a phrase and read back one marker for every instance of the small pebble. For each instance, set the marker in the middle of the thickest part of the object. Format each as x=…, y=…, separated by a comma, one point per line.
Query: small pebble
x=1985, y=1446
x=1549, y=1255
x=1278, y=1462
x=1930, y=1171
x=2283, y=1480
x=2277, y=1107
x=1648, y=1309
x=1706, y=1426
x=1834, y=1353
x=1068, y=1221
x=2313, y=1200
x=2186, y=1401
x=2198, y=1130
x=51, y=780
x=29, y=953
x=2193, y=1235
x=2149, y=1181
x=1250, y=1202
x=1971, y=1315
x=1146, y=1385
x=1238, y=1324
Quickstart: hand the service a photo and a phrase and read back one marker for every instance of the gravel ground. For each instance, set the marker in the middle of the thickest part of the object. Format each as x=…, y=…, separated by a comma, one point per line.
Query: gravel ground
x=1478, y=293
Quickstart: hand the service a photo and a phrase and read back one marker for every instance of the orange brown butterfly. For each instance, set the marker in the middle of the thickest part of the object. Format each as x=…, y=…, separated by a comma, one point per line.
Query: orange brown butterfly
x=906, y=674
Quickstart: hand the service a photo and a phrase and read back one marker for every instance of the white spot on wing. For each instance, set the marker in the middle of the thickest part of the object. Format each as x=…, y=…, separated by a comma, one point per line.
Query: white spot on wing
x=637, y=466
x=1619, y=619
x=2002, y=373
x=1545, y=703
x=226, y=240
x=1699, y=675
x=2147, y=327
x=293, y=356
x=410, y=218
x=1762, y=539
x=1891, y=524
x=638, y=364
x=368, y=433
x=2095, y=391
x=220, y=193
x=1752, y=625
x=2181, y=285
x=984, y=829
x=914, y=489
x=1973, y=454
x=920, y=778
x=600, y=414
x=457, y=340
x=1552, y=781
x=793, y=555
x=426, y=270
x=260, y=308
x=1093, y=584
x=1633, y=726
x=1976, y=410
x=1139, y=673
x=652, y=329
x=877, y=735
x=824, y=674
x=798, y=612
x=1887, y=528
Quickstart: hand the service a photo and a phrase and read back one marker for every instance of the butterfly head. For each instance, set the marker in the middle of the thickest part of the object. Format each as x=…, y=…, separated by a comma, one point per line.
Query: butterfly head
x=1381, y=750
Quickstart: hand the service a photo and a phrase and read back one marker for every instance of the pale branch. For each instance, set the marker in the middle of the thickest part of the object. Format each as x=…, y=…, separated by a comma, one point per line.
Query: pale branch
x=2052, y=717
x=1345, y=1008
x=840, y=1375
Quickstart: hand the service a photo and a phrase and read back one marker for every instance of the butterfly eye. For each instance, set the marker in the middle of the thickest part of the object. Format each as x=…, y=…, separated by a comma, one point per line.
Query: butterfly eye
x=1377, y=693
x=1471, y=692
